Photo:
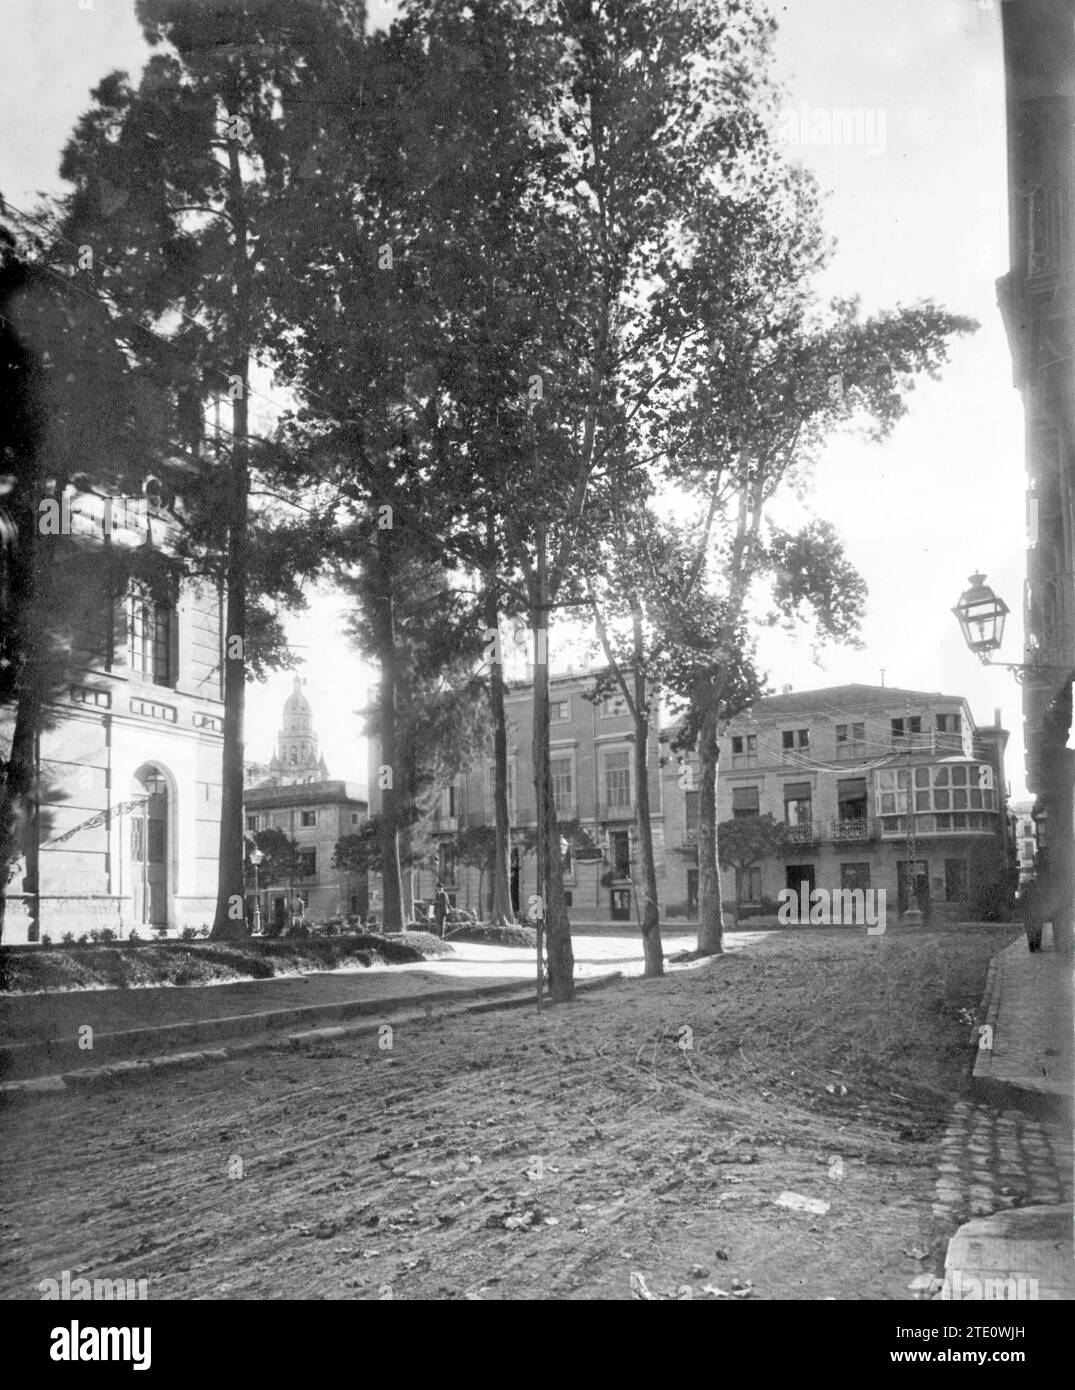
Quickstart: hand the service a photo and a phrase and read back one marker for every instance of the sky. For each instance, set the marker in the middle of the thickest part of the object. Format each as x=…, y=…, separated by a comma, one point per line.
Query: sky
x=917, y=203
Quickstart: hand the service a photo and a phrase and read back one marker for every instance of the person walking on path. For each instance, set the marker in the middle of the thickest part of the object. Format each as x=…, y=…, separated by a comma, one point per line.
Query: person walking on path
x=440, y=909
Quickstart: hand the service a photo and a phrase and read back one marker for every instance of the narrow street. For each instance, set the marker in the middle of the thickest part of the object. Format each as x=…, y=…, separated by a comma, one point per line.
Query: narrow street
x=632, y=1144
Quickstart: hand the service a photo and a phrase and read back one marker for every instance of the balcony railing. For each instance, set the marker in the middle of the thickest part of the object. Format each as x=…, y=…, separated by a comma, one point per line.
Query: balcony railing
x=806, y=834
x=855, y=828
x=616, y=811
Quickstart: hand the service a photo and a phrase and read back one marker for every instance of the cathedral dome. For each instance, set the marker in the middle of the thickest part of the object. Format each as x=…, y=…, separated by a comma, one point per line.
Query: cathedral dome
x=296, y=702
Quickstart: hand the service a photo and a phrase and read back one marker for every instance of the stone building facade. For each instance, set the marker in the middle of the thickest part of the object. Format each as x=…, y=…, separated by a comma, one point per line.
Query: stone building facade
x=1037, y=301
x=126, y=836
x=833, y=766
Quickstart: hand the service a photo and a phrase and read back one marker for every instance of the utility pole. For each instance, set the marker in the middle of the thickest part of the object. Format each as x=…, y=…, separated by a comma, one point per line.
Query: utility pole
x=913, y=915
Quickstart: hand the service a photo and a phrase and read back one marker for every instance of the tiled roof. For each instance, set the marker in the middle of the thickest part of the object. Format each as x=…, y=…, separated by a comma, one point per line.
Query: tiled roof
x=852, y=699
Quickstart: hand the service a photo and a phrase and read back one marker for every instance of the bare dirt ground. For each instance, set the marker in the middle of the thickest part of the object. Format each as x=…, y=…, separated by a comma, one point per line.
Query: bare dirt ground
x=631, y=1144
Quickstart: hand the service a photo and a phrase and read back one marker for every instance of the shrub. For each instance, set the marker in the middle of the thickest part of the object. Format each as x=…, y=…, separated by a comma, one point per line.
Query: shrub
x=161, y=929
x=189, y=934
x=107, y=934
x=134, y=938
x=68, y=938
x=46, y=940
x=95, y=936
x=84, y=939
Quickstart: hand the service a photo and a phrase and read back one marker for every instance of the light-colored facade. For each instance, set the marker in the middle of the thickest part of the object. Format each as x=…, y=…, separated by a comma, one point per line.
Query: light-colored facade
x=130, y=763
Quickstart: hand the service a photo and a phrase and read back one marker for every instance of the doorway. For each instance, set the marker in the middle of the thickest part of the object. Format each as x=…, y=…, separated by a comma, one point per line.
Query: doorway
x=620, y=907
x=149, y=848
x=796, y=874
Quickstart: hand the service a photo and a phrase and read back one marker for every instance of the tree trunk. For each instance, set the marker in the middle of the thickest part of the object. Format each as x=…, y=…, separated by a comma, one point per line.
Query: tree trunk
x=710, y=908
x=391, y=763
x=550, y=871
x=229, y=921
x=501, y=909
x=651, y=914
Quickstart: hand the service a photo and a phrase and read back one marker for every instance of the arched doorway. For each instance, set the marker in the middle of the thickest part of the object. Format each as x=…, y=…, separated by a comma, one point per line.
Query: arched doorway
x=149, y=848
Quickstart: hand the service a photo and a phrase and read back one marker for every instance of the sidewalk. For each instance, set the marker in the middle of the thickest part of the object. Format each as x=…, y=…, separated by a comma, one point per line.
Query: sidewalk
x=1021, y=1159
x=1029, y=1007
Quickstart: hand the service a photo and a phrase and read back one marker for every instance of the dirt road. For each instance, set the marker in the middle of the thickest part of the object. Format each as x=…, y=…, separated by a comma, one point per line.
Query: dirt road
x=633, y=1143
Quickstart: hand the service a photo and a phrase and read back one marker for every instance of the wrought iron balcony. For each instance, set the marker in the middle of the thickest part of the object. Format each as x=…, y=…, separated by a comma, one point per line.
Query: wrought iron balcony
x=804, y=834
x=618, y=812
x=854, y=828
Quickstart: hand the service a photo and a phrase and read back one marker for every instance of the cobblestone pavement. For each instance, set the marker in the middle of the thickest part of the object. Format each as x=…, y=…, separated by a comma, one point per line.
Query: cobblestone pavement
x=992, y=1161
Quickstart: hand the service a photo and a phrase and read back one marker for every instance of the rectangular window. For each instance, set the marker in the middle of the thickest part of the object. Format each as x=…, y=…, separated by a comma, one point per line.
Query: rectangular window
x=745, y=801
x=559, y=710
x=619, y=845
x=618, y=778
x=903, y=728
x=949, y=723
x=744, y=743
x=613, y=705
x=563, y=791
x=307, y=865
x=354, y=817
x=307, y=817
x=795, y=738
x=798, y=798
x=850, y=740
x=446, y=861
x=690, y=811
x=748, y=885
x=251, y=822
x=149, y=637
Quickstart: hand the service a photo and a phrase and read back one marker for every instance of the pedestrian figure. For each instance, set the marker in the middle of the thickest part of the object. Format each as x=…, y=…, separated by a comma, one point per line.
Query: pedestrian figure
x=440, y=908
x=1030, y=903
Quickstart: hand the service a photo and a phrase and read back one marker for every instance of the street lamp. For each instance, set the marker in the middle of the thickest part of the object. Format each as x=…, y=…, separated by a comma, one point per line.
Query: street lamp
x=256, y=857
x=981, y=618
x=981, y=615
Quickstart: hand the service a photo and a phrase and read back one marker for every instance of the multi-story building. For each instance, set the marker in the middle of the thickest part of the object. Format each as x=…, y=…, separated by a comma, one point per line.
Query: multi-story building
x=852, y=773
x=300, y=799
x=127, y=831
x=1037, y=300
x=1026, y=837
x=835, y=767
x=593, y=779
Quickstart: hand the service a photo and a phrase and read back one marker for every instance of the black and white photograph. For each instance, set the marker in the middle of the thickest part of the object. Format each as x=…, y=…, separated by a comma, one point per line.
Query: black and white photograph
x=537, y=638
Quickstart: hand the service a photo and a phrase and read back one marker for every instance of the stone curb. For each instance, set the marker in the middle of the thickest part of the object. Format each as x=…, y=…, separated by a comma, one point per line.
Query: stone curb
x=1039, y=1100
x=86, y=1077
x=140, y=1040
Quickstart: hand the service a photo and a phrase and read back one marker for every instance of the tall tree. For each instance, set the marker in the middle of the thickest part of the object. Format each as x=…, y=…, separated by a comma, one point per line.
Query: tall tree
x=185, y=186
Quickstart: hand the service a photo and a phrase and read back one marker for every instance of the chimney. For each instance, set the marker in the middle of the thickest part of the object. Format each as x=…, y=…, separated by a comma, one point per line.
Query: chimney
x=996, y=716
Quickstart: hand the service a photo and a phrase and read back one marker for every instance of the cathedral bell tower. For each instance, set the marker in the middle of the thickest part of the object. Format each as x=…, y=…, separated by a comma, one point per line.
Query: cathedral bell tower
x=297, y=758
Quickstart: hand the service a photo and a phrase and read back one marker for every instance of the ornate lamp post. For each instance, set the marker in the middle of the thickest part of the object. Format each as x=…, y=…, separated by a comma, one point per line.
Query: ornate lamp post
x=256, y=857
x=981, y=616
